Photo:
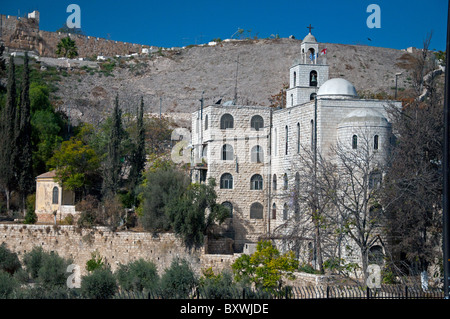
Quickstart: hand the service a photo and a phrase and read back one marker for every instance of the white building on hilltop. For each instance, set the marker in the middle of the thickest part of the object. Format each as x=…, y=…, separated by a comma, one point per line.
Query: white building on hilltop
x=253, y=152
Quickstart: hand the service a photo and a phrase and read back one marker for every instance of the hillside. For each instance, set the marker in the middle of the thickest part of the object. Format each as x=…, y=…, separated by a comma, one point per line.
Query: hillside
x=179, y=76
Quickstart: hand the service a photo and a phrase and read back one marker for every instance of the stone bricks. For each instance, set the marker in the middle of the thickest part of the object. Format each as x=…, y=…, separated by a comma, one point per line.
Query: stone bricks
x=24, y=34
x=115, y=247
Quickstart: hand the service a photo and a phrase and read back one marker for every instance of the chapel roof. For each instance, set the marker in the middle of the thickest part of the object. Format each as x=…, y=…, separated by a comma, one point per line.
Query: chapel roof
x=337, y=86
x=309, y=38
x=49, y=174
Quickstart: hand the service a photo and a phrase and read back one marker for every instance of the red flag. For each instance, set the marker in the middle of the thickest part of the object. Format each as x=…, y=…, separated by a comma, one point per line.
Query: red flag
x=324, y=51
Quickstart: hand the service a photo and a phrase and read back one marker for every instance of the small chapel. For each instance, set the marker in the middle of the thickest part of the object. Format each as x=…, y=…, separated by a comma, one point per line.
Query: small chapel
x=253, y=152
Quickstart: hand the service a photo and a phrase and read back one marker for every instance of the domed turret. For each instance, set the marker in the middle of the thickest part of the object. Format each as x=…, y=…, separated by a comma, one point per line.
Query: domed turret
x=310, y=38
x=337, y=87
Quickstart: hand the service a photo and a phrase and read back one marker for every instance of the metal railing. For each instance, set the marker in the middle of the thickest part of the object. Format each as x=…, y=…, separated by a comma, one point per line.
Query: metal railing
x=306, y=292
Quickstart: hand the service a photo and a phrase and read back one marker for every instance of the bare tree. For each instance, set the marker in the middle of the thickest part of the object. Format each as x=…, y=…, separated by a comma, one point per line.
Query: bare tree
x=355, y=189
x=413, y=186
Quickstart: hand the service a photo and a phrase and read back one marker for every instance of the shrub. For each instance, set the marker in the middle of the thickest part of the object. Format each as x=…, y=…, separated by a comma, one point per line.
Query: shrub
x=47, y=269
x=30, y=215
x=161, y=186
x=95, y=262
x=9, y=262
x=178, y=280
x=100, y=284
x=89, y=211
x=8, y=285
x=219, y=286
x=53, y=271
x=138, y=275
x=33, y=261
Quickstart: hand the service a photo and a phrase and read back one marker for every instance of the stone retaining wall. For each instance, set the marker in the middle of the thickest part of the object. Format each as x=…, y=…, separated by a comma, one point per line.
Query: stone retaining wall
x=115, y=247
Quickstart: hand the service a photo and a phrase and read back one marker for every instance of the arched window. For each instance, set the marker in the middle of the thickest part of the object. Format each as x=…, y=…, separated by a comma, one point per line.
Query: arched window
x=227, y=152
x=375, y=142
x=226, y=181
x=295, y=79
x=257, y=155
x=205, y=151
x=206, y=122
x=274, y=211
x=274, y=182
x=287, y=140
x=256, y=182
x=312, y=96
x=256, y=211
x=298, y=137
x=297, y=182
x=355, y=142
x=313, y=78
x=285, y=181
x=55, y=195
x=229, y=206
x=285, y=211
x=257, y=123
x=292, y=99
x=226, y=121
x=275, y=141
x=376, y=255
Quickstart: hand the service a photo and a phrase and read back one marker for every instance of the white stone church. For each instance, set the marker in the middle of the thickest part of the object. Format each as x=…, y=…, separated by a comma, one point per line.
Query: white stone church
x=253, y=151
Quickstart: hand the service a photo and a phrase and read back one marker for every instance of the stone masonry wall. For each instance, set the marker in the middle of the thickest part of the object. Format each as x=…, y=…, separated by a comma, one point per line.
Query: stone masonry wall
x=24, y=34
x=116, y=247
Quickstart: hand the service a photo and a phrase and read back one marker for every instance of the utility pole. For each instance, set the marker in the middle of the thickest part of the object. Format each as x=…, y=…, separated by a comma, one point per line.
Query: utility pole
x=236, y=83
x=396, y=79
x=446, y=171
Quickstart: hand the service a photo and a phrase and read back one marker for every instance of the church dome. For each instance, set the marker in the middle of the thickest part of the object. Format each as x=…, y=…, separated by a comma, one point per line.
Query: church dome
x=309, y=38
x=337, y=86
x=365, y=116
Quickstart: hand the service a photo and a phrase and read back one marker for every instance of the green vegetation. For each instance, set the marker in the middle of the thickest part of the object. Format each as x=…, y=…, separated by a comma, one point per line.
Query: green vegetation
x=45, y=274
x=67, y=48
x=267, y=268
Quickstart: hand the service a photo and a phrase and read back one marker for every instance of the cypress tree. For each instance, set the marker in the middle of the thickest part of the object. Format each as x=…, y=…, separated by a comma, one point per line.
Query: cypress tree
x=7, y=136
x=138, y=157
x=25, y=159
x=113, y=165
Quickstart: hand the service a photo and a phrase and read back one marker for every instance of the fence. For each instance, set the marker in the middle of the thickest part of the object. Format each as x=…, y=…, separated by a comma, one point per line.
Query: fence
x=328, y=292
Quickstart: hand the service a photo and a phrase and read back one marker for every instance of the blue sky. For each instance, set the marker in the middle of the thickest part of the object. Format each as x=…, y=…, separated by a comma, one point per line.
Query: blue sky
x=169, y=23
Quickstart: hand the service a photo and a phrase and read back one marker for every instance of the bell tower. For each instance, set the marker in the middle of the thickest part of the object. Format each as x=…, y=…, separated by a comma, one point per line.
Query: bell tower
x=307, y=73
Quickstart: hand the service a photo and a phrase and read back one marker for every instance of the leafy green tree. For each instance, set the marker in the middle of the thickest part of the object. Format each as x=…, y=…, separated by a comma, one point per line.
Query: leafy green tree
x=9, y=262
x=138, y=275
x=67, y=47
x=178, y=281
x=46, y=127
x=192, y=214
x=33, y=261
x=160, y=186
x=99, y=284
x=47, y=269
x=7, y=136
x=220, y=286
x=8, y=285
x=52, y=272
x=76, y=165
x=266, y=268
